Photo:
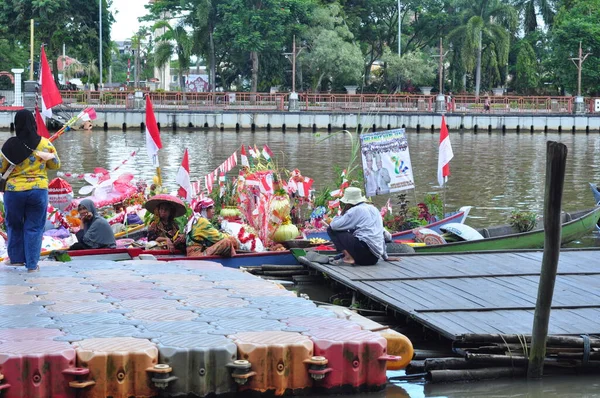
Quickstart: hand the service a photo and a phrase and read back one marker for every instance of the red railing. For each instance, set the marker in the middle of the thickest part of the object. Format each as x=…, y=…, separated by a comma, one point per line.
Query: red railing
x=342, y=103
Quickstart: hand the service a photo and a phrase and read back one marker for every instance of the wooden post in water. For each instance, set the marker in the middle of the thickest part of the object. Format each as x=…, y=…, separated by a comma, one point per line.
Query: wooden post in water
x=555, y=177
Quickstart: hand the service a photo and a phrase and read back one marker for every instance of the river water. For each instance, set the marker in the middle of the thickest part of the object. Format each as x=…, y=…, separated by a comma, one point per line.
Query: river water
x=496, y=173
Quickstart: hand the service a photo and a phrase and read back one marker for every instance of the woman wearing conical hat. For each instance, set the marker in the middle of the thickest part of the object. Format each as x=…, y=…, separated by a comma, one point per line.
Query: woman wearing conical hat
x=163, y=229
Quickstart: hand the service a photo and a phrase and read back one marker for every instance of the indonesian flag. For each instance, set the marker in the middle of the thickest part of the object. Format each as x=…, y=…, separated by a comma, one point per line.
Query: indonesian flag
x=183, y=178
x=153, y=143
x=50, y=94
x=266, y=152
x=304, y=187
x=445, y=154
x=222, y=187
x=266, y=184
x=88, y=114
x=208, y=182
x=42, y=130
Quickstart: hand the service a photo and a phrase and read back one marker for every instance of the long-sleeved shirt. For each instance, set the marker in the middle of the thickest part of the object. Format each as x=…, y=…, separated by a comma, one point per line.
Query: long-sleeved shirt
x=204, y=233
x=32, y=172
x=367, y=224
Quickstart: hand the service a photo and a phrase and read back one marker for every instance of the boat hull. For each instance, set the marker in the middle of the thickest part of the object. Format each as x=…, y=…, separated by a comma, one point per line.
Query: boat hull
x=571, y=230
x=239, y=260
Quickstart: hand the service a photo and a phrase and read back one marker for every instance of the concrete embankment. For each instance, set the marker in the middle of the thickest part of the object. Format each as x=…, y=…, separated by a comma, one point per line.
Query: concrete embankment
x=308, y=121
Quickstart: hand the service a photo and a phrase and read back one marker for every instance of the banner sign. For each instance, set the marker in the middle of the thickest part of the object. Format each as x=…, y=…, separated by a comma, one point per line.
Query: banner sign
x=386, y=162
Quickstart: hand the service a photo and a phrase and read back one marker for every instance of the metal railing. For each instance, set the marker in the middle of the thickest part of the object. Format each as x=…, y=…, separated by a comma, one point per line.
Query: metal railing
x=337, y=103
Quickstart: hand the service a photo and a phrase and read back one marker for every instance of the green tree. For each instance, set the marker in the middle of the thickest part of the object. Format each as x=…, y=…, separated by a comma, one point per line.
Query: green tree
x=57, y=22
x=576, y=24
x=256, y=27
x=484, y=33
x=414, y=67
x=530, y=9
x=176, y=40
x=527, y=76
x=330, y=52
x=373, y=23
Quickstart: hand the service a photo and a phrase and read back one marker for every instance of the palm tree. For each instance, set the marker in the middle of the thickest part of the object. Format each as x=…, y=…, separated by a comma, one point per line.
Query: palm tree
x=487, y=26
x=88, y=71
x=204, y=21
x=529, y=8
x=175, y=40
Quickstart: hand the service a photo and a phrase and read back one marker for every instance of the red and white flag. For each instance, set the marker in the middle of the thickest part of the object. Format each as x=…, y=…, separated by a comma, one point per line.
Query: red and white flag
x=50, y=94
x=208, y=182
x=183, y=178
x=266, y=152
x=222, y=187
x=252, y=152
x=42, y=130
x=153, y=143
x=445, y=154
x=88, y=114
x=266, y=184
x=244, y=157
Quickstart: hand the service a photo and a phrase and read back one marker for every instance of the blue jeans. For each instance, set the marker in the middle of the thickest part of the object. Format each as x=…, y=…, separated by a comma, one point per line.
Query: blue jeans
x=25, y=213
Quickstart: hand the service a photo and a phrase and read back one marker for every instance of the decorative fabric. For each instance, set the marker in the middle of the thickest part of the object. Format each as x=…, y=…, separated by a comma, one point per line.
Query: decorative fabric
x=204, y=234
x=226, y=248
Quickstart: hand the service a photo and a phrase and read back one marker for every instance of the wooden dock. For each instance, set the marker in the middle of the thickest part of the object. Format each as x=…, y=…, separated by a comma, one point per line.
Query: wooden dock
x=482, y=293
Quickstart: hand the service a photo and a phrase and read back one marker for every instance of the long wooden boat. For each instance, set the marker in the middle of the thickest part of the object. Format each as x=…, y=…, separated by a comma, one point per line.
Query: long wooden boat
x=457, y=217
x=575, y=225
x=240, y=260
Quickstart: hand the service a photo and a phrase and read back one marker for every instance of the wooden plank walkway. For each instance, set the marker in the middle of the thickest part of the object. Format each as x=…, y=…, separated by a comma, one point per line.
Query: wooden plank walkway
x=485, y=293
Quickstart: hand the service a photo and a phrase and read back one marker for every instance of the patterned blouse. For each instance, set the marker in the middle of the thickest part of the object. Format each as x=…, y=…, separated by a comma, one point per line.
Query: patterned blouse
x=157, y=229
x=32, y=172
x=204, y=233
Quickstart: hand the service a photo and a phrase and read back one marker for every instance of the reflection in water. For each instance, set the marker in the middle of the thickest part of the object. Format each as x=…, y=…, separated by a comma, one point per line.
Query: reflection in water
x=548, y=387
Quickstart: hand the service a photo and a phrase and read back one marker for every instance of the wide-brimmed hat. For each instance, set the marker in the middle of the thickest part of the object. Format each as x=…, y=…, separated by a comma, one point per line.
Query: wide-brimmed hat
x=156, y=200
x=353, y=196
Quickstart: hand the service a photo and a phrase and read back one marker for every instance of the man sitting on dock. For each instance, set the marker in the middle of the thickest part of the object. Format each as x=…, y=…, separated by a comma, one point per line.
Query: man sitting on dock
x=358, y=232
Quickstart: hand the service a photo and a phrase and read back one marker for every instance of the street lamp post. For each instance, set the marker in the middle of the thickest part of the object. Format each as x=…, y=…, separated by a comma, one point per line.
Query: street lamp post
x=440, y=100
x=100, y=25
x=399, y=28
x=579, y=104
x=293, y=105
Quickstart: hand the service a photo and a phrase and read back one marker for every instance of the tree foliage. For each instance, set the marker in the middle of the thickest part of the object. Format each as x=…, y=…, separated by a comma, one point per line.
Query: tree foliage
x=490, y=43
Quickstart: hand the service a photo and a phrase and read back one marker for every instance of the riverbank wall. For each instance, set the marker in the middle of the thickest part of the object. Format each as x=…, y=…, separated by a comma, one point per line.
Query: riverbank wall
x=312, y=121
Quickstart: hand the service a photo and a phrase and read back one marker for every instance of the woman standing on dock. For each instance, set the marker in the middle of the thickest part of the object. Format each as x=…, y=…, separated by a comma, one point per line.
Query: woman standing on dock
x=25, y=160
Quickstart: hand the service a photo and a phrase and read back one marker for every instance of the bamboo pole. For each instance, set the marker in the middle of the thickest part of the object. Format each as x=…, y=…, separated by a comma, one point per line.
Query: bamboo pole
x=442, y=376
x=448, y=363
x=560, y=341
x=556, y=160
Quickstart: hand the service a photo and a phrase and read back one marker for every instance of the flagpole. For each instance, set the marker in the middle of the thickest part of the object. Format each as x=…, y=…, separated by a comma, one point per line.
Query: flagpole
x=158, y=171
